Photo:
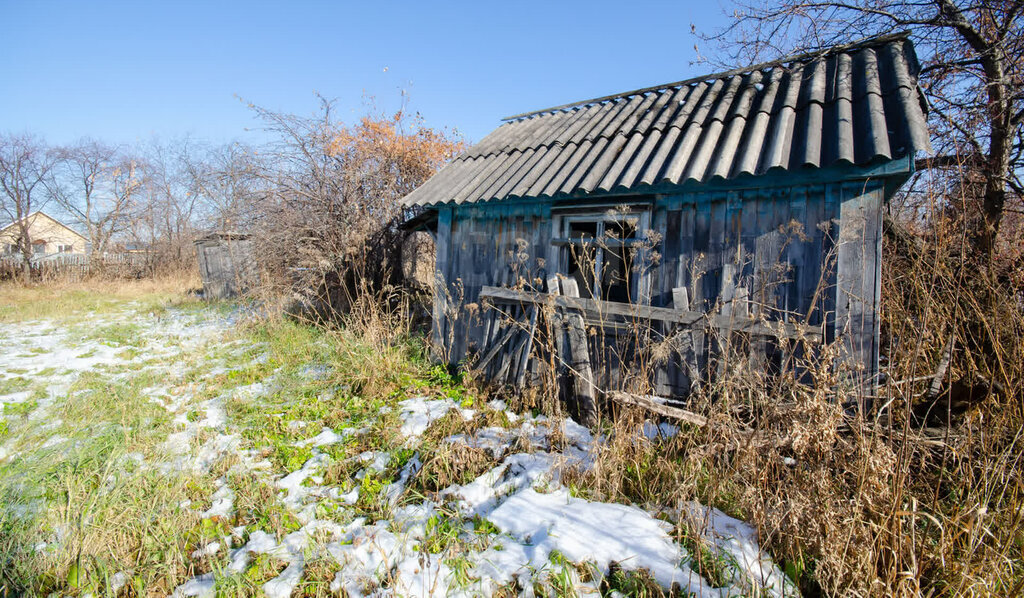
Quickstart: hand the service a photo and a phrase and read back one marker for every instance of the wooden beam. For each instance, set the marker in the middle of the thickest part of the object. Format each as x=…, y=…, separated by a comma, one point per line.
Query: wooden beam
x=599, y=310
x=495, y=348
x=578, y=357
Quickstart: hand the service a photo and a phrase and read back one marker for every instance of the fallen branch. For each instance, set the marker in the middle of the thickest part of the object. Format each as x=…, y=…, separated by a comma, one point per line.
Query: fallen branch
x=656, y=407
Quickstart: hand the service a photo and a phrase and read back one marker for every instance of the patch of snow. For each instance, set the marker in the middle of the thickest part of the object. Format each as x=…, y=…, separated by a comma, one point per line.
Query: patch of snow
x=515, y=473
x=598, y=532
x=375, y=461
x=118, y=581
x=202, y=586
x=252, y=391
x=54, y=441
x=753, y=570
x=209, y=550
x=325, y=437
x=292, y=483
x=178, y=442
x=494, y=440
x=659, y=431
x=223, y=501
x=418, y=413
x=282, y=585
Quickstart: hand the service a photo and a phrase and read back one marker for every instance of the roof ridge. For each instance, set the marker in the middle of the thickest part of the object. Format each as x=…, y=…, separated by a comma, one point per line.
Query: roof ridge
x=867, y=42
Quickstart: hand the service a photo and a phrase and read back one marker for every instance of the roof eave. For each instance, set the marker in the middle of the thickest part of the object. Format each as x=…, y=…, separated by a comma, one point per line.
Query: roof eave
x=897, y=169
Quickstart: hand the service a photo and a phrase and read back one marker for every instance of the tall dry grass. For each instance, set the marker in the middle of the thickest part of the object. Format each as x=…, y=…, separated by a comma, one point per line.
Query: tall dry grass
x=918, y=494
x=60, y=298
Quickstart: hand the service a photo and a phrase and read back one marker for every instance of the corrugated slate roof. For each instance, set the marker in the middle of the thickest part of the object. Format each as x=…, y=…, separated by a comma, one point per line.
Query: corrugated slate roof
x=857, y=105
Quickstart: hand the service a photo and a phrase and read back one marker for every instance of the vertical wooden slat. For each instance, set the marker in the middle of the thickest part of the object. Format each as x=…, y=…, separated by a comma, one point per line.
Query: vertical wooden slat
x=857, y=280
x=525, y=359
x=672, y=235
x=438, y=325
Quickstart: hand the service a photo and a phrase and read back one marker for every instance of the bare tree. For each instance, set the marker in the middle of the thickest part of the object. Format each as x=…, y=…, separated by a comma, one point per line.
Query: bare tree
x=164, y=213
x=328, y=208
x=96, y=184
x=972, y=73
x=226, y=178
x=25, y=164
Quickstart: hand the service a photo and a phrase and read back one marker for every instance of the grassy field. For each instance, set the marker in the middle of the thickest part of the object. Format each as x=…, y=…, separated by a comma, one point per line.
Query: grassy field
x=152, y=444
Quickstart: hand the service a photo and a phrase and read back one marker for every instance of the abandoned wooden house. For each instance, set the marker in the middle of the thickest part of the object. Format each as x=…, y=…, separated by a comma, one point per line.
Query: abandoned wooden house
x=746, y=202
x=227, y=264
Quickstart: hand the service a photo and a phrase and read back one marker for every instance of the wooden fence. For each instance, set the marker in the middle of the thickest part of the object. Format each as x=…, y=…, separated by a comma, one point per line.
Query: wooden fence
x=516, y=321
x=75, y=267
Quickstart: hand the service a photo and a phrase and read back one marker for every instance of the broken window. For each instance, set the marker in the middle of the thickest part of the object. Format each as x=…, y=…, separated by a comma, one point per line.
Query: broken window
x=601, y=253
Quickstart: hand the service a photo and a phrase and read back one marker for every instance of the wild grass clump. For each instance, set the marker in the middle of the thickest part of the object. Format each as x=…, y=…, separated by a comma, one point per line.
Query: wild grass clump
x=63, y=300
x=916, y=492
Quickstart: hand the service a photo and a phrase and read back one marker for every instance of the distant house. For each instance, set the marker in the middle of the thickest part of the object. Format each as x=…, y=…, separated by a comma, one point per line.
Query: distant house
x=47, y=234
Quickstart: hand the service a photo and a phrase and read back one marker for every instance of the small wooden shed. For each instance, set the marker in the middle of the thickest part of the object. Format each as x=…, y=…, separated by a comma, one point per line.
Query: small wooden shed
x=746, y=201
x=227, y=264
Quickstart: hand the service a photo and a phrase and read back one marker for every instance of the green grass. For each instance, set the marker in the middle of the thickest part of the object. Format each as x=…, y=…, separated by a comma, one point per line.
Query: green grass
x=14, y=384
x=115, y=515
x=443, y=533
x=713, y=565
x=109, y=514
x=20, y=409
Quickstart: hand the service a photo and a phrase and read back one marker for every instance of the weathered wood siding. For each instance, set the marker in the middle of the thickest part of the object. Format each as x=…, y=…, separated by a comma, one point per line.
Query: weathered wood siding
x=808, y=251
x=486, y=245
x=227, y=266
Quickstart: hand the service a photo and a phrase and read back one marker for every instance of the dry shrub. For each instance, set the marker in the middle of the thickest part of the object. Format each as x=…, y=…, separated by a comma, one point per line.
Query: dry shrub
x=919, y=494
x=450, y=463
x=326, y=221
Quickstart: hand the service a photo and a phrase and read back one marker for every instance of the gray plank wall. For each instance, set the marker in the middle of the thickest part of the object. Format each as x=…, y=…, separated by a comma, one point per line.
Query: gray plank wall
x=487, y=244
x=227, y=267
x=811, y=249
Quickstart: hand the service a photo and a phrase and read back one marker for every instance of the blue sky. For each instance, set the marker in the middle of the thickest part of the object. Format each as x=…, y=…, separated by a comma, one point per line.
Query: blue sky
x=125, y=72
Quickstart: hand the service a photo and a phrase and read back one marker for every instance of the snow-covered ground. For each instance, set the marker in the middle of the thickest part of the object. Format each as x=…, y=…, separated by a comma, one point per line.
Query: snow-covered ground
x=513, y=530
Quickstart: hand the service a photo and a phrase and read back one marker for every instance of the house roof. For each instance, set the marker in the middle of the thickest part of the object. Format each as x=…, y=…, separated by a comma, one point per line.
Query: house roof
x=856, y=104
x=36, y=214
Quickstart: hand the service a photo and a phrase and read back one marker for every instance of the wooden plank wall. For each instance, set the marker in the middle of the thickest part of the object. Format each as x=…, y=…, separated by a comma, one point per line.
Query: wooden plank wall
x=227, y=267
x=488, y=245
x=812, y=249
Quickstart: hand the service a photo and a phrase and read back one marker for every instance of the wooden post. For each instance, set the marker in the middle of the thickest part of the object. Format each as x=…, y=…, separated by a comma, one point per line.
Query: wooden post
x=578, y=358
x=858, y=274
x=681, y=301
x=723, y=337
x=438, y=348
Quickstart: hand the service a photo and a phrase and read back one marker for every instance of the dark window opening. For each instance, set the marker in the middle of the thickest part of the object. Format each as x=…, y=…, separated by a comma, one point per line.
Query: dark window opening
x=617, y=275
x=601, y=255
